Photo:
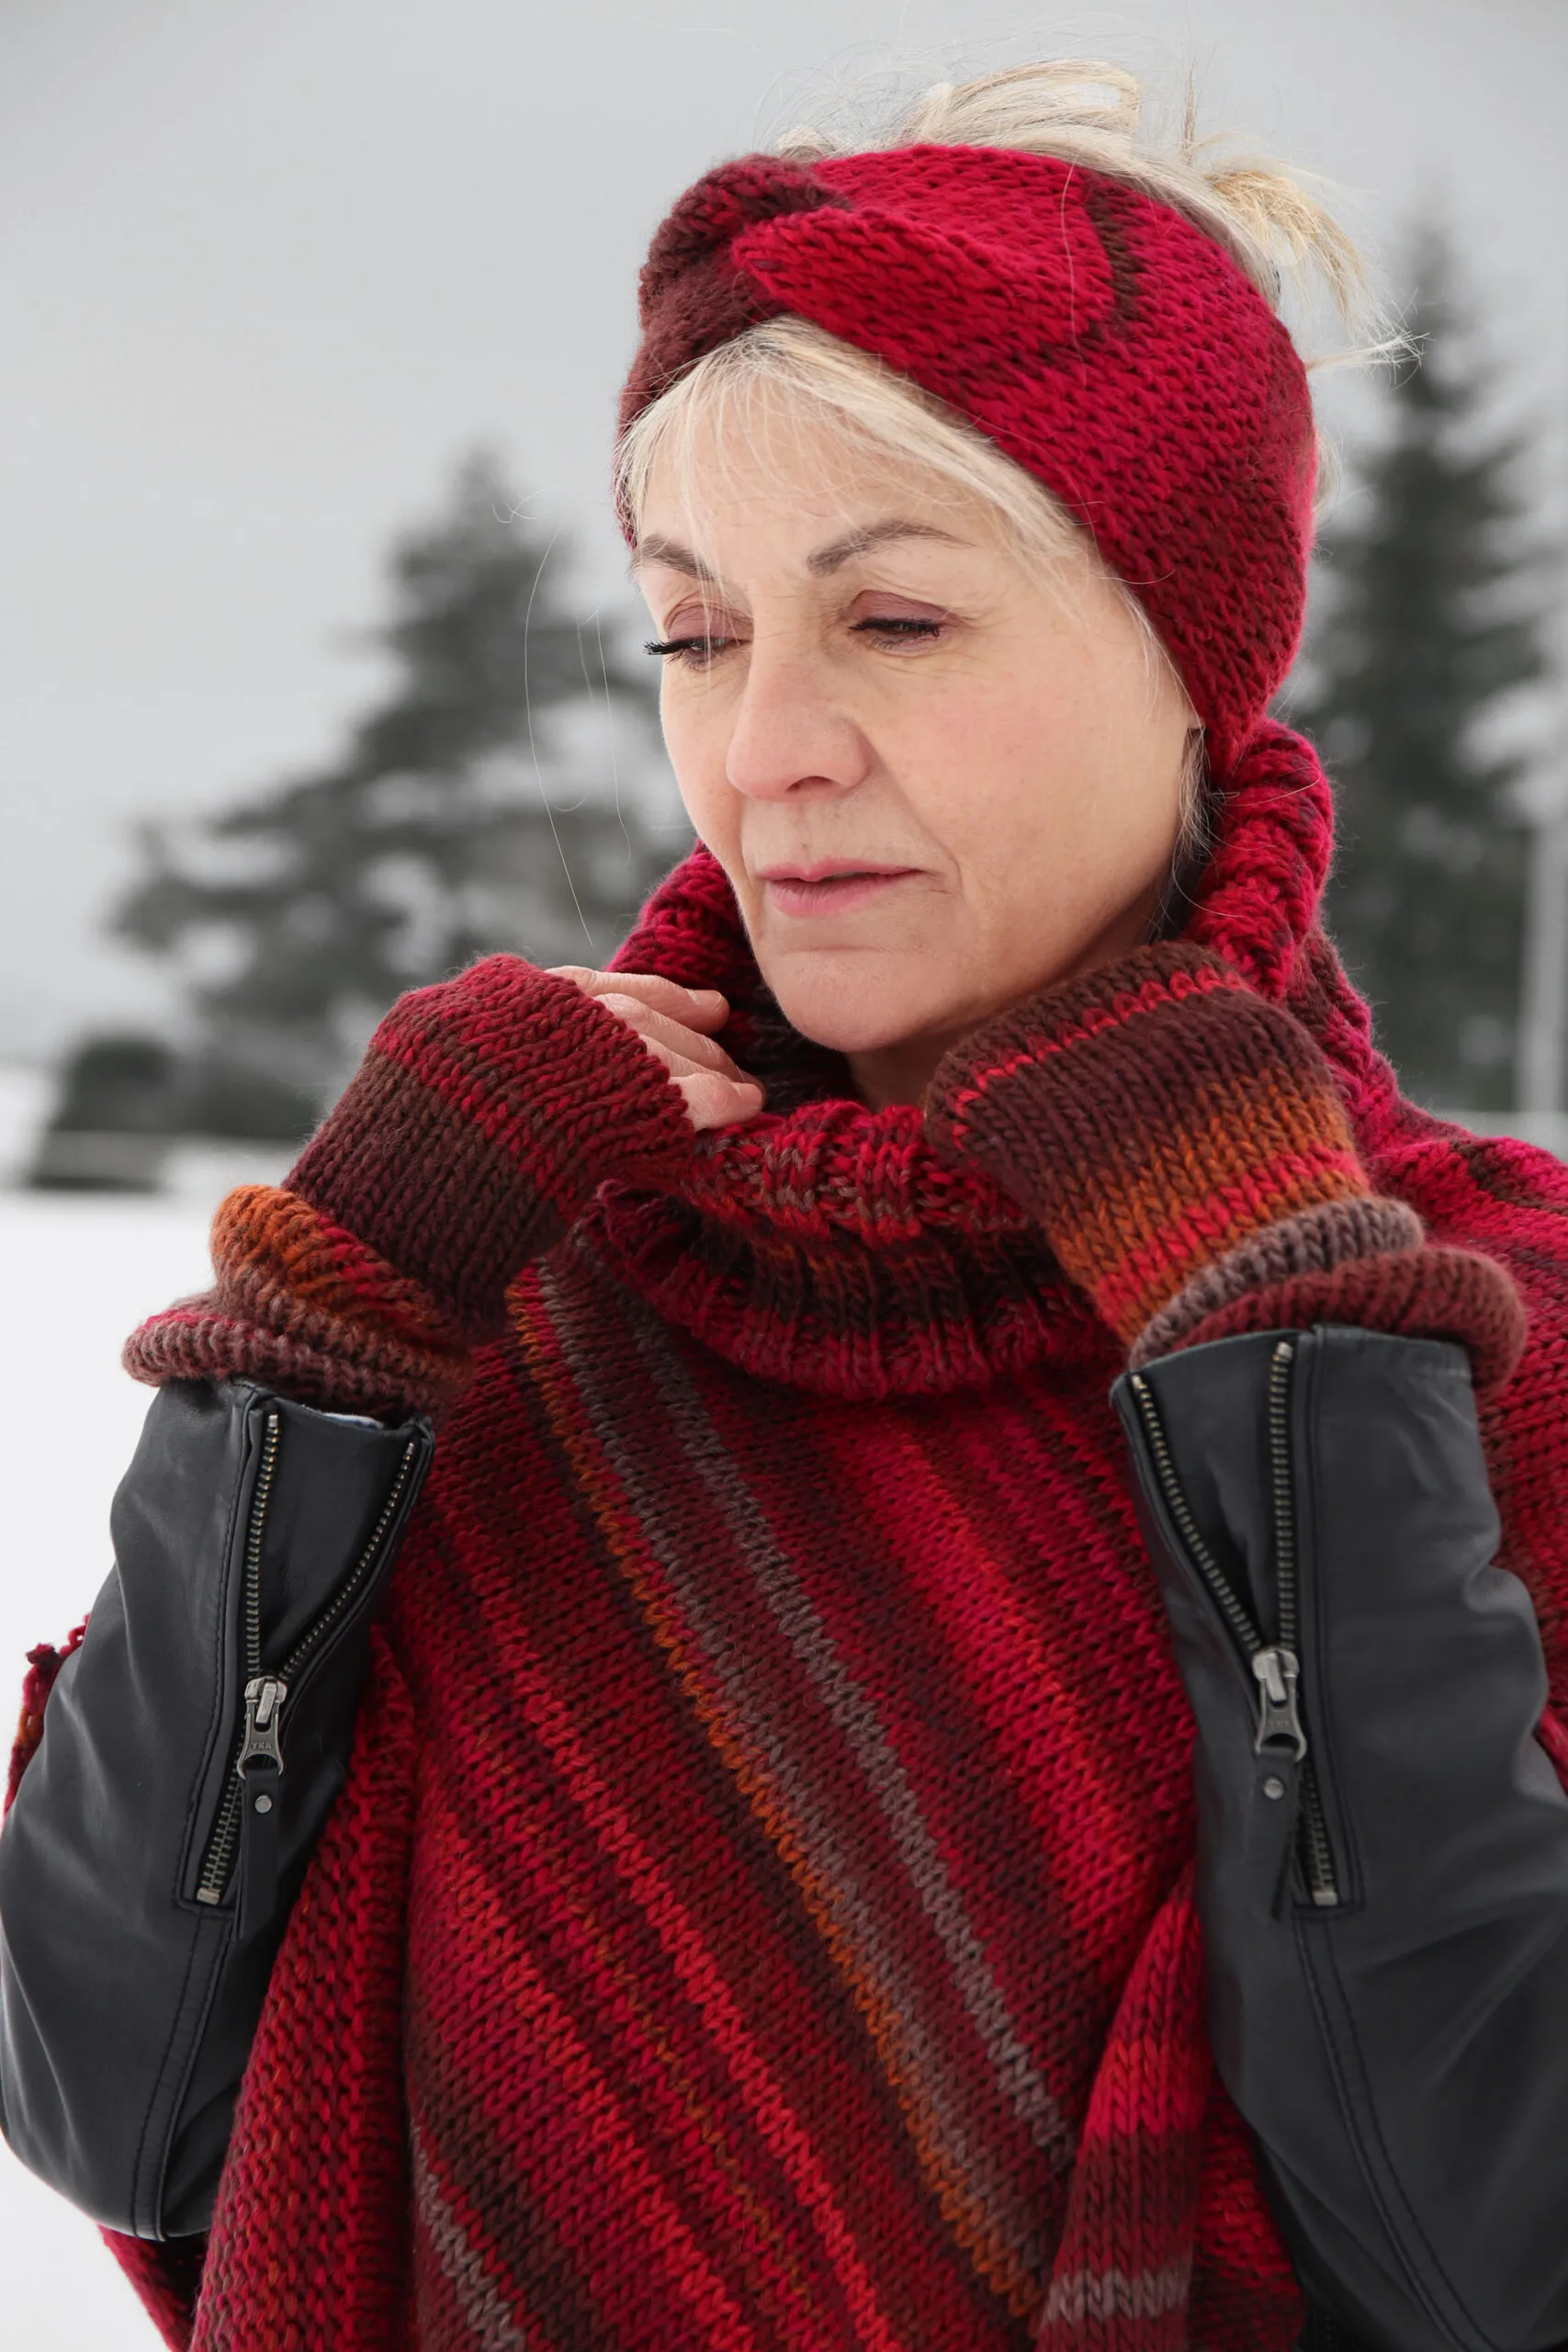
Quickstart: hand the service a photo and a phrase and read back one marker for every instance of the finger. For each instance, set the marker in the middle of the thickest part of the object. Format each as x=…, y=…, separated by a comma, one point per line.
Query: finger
x=686, y=1064
x=712, y=1100
x=716, y=1101
x=651, y=1025
x=696, y=1007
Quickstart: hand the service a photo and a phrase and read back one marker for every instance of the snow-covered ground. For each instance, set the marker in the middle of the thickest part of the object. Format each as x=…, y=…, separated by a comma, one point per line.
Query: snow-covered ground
x=75, y=1274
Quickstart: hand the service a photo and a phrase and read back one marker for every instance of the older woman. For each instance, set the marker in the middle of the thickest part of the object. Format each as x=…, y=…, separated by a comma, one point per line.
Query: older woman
x=958, y=1305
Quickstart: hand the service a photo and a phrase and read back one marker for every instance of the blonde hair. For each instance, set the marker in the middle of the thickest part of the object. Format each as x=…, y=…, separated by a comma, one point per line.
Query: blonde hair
x=1081, y=111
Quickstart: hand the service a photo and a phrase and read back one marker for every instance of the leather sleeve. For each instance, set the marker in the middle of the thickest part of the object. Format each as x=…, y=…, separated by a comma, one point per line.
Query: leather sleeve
x=191, y=1750
x=1383, y=1840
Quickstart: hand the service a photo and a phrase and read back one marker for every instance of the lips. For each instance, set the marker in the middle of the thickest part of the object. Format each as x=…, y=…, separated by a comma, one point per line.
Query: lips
x=830, y=890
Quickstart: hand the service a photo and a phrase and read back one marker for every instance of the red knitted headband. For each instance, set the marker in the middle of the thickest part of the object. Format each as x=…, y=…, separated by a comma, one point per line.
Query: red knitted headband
x=1110, y=347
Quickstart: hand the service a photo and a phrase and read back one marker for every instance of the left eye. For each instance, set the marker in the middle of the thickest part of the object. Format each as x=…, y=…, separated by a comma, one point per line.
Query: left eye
x=898, y=626
x=701, y=652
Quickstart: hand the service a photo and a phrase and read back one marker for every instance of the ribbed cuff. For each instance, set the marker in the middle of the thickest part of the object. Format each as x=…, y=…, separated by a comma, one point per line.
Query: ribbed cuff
x=1426, y=1294
x=305, y=1308
x=1316, y=1242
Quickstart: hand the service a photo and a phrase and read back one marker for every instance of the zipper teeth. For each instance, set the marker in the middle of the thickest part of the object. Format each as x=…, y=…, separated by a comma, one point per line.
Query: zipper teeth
x=1280, y=1370
x=1317, y=1859
x=1214, y=1576
x=317, y=1633
x=218, y=1861
x=252, y=1586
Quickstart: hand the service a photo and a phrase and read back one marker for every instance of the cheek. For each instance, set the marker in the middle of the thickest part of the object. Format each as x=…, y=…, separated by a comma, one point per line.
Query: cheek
x=1059, y=808
x=696, y=745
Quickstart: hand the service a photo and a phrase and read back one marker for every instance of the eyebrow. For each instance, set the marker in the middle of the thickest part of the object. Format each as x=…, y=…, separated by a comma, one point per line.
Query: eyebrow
x=656, y=548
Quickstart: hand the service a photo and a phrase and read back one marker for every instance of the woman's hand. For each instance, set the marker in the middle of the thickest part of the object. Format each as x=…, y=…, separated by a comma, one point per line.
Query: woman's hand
x=1160, y=1118
x=673, y=1022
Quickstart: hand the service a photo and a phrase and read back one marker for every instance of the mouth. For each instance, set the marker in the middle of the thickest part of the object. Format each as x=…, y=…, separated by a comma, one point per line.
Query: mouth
x=829, y=889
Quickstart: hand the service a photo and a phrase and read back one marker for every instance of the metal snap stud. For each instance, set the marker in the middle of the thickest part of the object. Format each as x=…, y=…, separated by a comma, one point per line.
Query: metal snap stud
x=1272, y=1787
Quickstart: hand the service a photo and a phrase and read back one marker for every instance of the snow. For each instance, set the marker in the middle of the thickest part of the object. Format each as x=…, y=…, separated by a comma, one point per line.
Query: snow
x=76, y=1273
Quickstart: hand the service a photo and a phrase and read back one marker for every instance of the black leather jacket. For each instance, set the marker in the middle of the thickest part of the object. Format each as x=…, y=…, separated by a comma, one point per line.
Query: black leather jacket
x=1383, y=1862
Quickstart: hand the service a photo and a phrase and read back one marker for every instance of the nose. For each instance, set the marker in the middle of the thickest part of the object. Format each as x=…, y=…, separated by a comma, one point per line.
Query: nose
x=790, y=735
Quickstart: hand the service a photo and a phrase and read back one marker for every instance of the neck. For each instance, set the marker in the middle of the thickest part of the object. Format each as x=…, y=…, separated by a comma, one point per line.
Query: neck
x=900, y=1072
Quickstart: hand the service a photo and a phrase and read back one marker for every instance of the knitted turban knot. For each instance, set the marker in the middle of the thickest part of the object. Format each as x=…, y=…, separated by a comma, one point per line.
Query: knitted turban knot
x=1105, y=343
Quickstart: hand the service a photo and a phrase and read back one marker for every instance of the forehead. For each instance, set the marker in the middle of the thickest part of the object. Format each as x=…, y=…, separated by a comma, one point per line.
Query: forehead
x=820, y=561
x=761, y=467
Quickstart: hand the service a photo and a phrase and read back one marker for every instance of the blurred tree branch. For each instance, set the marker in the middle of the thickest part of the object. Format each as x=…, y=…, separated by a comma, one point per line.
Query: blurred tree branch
x=457, y=819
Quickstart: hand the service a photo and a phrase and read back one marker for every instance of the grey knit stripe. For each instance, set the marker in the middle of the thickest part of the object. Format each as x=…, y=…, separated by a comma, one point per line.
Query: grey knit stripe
x=1099, y=2295
x=855, y=1714
x=785, y=1767
x=488, y=2324
x=1314, y=1243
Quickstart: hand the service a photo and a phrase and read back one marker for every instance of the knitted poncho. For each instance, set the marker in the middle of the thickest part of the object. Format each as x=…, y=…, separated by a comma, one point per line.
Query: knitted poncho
x=759, y=1914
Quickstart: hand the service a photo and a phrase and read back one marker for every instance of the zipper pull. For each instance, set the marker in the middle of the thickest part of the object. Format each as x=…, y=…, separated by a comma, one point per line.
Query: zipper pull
x=1279, y=1724
x=264, y=1695
x=260, y=1770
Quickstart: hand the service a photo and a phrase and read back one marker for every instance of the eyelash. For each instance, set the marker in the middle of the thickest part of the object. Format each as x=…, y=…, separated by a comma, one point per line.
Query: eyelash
x=701, y=652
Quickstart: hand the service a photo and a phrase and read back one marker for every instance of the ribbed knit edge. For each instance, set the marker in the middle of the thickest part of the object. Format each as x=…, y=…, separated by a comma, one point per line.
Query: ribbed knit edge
x=1426, y=1294
x=1314, y=1242
x=198, y=1343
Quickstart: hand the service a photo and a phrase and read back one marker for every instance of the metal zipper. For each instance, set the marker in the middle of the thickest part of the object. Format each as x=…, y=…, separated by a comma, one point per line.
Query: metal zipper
x=1317, y=1860
x=218, y=1861
x=257, y=1768
x=1274, y=1667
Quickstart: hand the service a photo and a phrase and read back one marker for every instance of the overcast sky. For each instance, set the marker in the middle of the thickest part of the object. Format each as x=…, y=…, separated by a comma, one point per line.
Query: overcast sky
x=267, y=266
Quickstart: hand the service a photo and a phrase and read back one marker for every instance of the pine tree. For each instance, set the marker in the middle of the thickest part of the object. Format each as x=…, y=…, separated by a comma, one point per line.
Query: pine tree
x=1425, y=633
x=456, y=821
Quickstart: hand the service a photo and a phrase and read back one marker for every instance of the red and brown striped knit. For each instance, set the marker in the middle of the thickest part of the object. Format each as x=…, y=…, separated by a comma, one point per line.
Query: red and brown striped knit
x=759, y=1914
x=1180, y=1142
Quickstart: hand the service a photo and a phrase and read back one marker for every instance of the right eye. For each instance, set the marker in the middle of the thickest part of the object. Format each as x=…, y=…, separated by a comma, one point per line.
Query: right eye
x=695, y=652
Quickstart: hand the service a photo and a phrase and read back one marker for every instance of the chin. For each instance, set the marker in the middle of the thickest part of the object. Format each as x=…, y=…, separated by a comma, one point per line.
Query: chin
x=850, y=1013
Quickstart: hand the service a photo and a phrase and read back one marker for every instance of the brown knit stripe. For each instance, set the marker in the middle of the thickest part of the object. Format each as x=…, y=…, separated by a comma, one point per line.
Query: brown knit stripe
x=1153, y=1119
x=1168, y=1105
x=478, y=1126
x=1428, y=1294
x=429, y=1189
x=277, y=1255
x=1313, y=1242
x=190, y=1345
x=1085, y=1014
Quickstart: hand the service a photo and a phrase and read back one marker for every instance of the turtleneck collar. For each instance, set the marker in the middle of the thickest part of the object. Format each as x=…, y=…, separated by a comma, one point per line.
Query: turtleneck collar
x=824, y=1244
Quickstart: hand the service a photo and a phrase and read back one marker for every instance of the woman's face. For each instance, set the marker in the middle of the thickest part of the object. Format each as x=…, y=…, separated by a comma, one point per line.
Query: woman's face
x=936, y=783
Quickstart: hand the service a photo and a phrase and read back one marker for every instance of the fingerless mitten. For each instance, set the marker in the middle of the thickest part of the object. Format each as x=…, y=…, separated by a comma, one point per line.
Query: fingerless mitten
x=1181, y=1142
x=484, y=1115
